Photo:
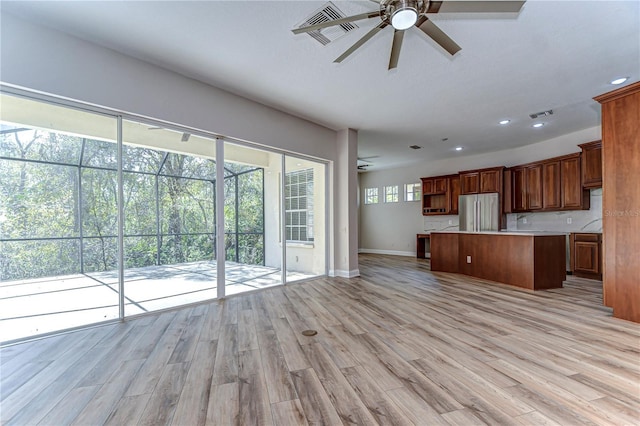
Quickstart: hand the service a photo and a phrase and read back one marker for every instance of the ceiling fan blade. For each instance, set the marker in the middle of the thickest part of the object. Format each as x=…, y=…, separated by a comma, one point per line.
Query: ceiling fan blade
x=398, y=36
x=480, y=6
x=336, y=22
x=430, y=29
x=360, y=42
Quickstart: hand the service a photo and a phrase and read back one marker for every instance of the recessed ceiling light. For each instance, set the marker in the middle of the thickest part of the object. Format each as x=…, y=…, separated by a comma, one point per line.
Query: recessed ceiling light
x=619, y=80
x=458, y=148
x=538, y=125
x=505, y=122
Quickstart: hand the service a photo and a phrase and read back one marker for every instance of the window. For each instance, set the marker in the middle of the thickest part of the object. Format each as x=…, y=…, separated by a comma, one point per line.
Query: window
x=371, y=195
x=412, y=191
x=298, y=201
x=391, y=194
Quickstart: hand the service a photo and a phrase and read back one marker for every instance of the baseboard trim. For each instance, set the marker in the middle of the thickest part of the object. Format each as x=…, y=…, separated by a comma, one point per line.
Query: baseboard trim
x=345, y=274
x=389, y=252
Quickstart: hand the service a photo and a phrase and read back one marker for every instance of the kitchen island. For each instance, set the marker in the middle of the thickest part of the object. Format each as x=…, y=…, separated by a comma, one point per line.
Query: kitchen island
x=530, y=260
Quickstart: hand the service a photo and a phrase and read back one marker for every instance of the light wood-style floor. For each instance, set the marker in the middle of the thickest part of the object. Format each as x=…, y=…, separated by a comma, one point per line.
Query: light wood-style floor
x=400, y=345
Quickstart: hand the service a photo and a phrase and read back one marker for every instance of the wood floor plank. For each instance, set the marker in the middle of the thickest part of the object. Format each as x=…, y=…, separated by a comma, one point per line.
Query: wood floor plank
x=465, y=417
x=278, y=380
x=99, y=408
x=194, y=398
x=288, y=413
x=383, y=411
x=154, y=365
x=315, y=402
x=70, y=406
x=186, y=345
x=291, y=350
x=224, y=405
x=162, y=402
x=255, y=407
x=345, y=400
x=212, y=322
x=247, y=333
x=128, y=410
x=225, y=369
x=416, y=409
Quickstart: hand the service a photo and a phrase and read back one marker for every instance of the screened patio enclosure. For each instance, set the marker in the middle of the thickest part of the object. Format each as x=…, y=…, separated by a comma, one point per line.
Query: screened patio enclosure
x=92, y=229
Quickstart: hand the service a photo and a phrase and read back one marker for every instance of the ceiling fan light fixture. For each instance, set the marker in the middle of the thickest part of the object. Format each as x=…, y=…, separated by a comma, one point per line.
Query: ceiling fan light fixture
x=405, y=16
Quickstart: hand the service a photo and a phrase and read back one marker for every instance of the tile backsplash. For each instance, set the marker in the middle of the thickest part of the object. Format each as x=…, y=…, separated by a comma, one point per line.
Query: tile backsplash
x=581, y=220
x=441, y=223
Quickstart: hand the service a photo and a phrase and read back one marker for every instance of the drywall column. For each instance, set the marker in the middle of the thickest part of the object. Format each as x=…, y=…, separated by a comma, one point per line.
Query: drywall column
x=345, y=207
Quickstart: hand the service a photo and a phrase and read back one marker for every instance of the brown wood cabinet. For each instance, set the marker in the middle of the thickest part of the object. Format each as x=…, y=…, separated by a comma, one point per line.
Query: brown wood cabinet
x=621, y=200
x=574, y=196
x=519, y=189
x=534, y=262
x=551, y=198
x=591, y=164
x=586, y=255
x=533, y=179
x=550, y=185
x=438, y=195
x=469, y=183
x=454, y=187
x=481, y=181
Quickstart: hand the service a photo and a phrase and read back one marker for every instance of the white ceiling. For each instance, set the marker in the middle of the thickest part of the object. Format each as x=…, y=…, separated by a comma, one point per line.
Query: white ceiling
x=552, y=55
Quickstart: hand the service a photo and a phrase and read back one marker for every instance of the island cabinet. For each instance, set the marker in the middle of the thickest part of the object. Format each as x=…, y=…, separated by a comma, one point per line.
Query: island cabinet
x=440, y=195
x=481, y=181
x=550, y=185
x=533, y=261
x=591, y=164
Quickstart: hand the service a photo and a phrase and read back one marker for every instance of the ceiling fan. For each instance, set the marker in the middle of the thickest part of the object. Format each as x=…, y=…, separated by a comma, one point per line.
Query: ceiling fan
x=404, y=14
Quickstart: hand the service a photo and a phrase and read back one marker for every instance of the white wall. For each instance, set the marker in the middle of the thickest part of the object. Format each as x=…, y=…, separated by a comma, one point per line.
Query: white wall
x=45, y=60
x=392, y=228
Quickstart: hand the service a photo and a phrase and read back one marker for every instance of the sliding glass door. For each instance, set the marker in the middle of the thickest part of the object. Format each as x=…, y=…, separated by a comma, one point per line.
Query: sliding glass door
x=103, y=217
x=251, y=218
x=169, y=217
x=58, y=218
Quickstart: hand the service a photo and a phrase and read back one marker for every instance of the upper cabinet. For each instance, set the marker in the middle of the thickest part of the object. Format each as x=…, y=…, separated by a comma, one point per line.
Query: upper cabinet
x=574, y=196
x=481, y=181
x=591, y=164
x=552, y=199
x=534, y=186
x=440, y=195
x=553, y=184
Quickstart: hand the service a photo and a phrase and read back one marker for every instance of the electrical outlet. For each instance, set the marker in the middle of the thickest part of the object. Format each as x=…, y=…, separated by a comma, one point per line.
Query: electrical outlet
x=468, y=259
x=524, y=220
x=569, y=220
x=450, y=222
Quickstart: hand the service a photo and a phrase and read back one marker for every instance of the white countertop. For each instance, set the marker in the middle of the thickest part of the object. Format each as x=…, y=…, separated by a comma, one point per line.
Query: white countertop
x=521, y=233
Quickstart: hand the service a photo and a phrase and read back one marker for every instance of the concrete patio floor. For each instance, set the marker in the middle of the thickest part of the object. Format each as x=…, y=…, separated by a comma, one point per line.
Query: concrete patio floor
x=43, y=305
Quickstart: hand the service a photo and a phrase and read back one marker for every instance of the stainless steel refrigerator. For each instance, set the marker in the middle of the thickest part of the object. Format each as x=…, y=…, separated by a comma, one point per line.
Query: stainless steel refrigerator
x=479, y=212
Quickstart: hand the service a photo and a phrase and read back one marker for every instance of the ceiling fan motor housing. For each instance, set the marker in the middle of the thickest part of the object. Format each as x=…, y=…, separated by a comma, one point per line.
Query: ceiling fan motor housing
x=401, y=14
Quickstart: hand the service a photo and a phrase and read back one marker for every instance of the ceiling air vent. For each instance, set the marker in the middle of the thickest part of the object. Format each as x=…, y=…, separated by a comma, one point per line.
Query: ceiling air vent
x=541, y=114
x=328, y=12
